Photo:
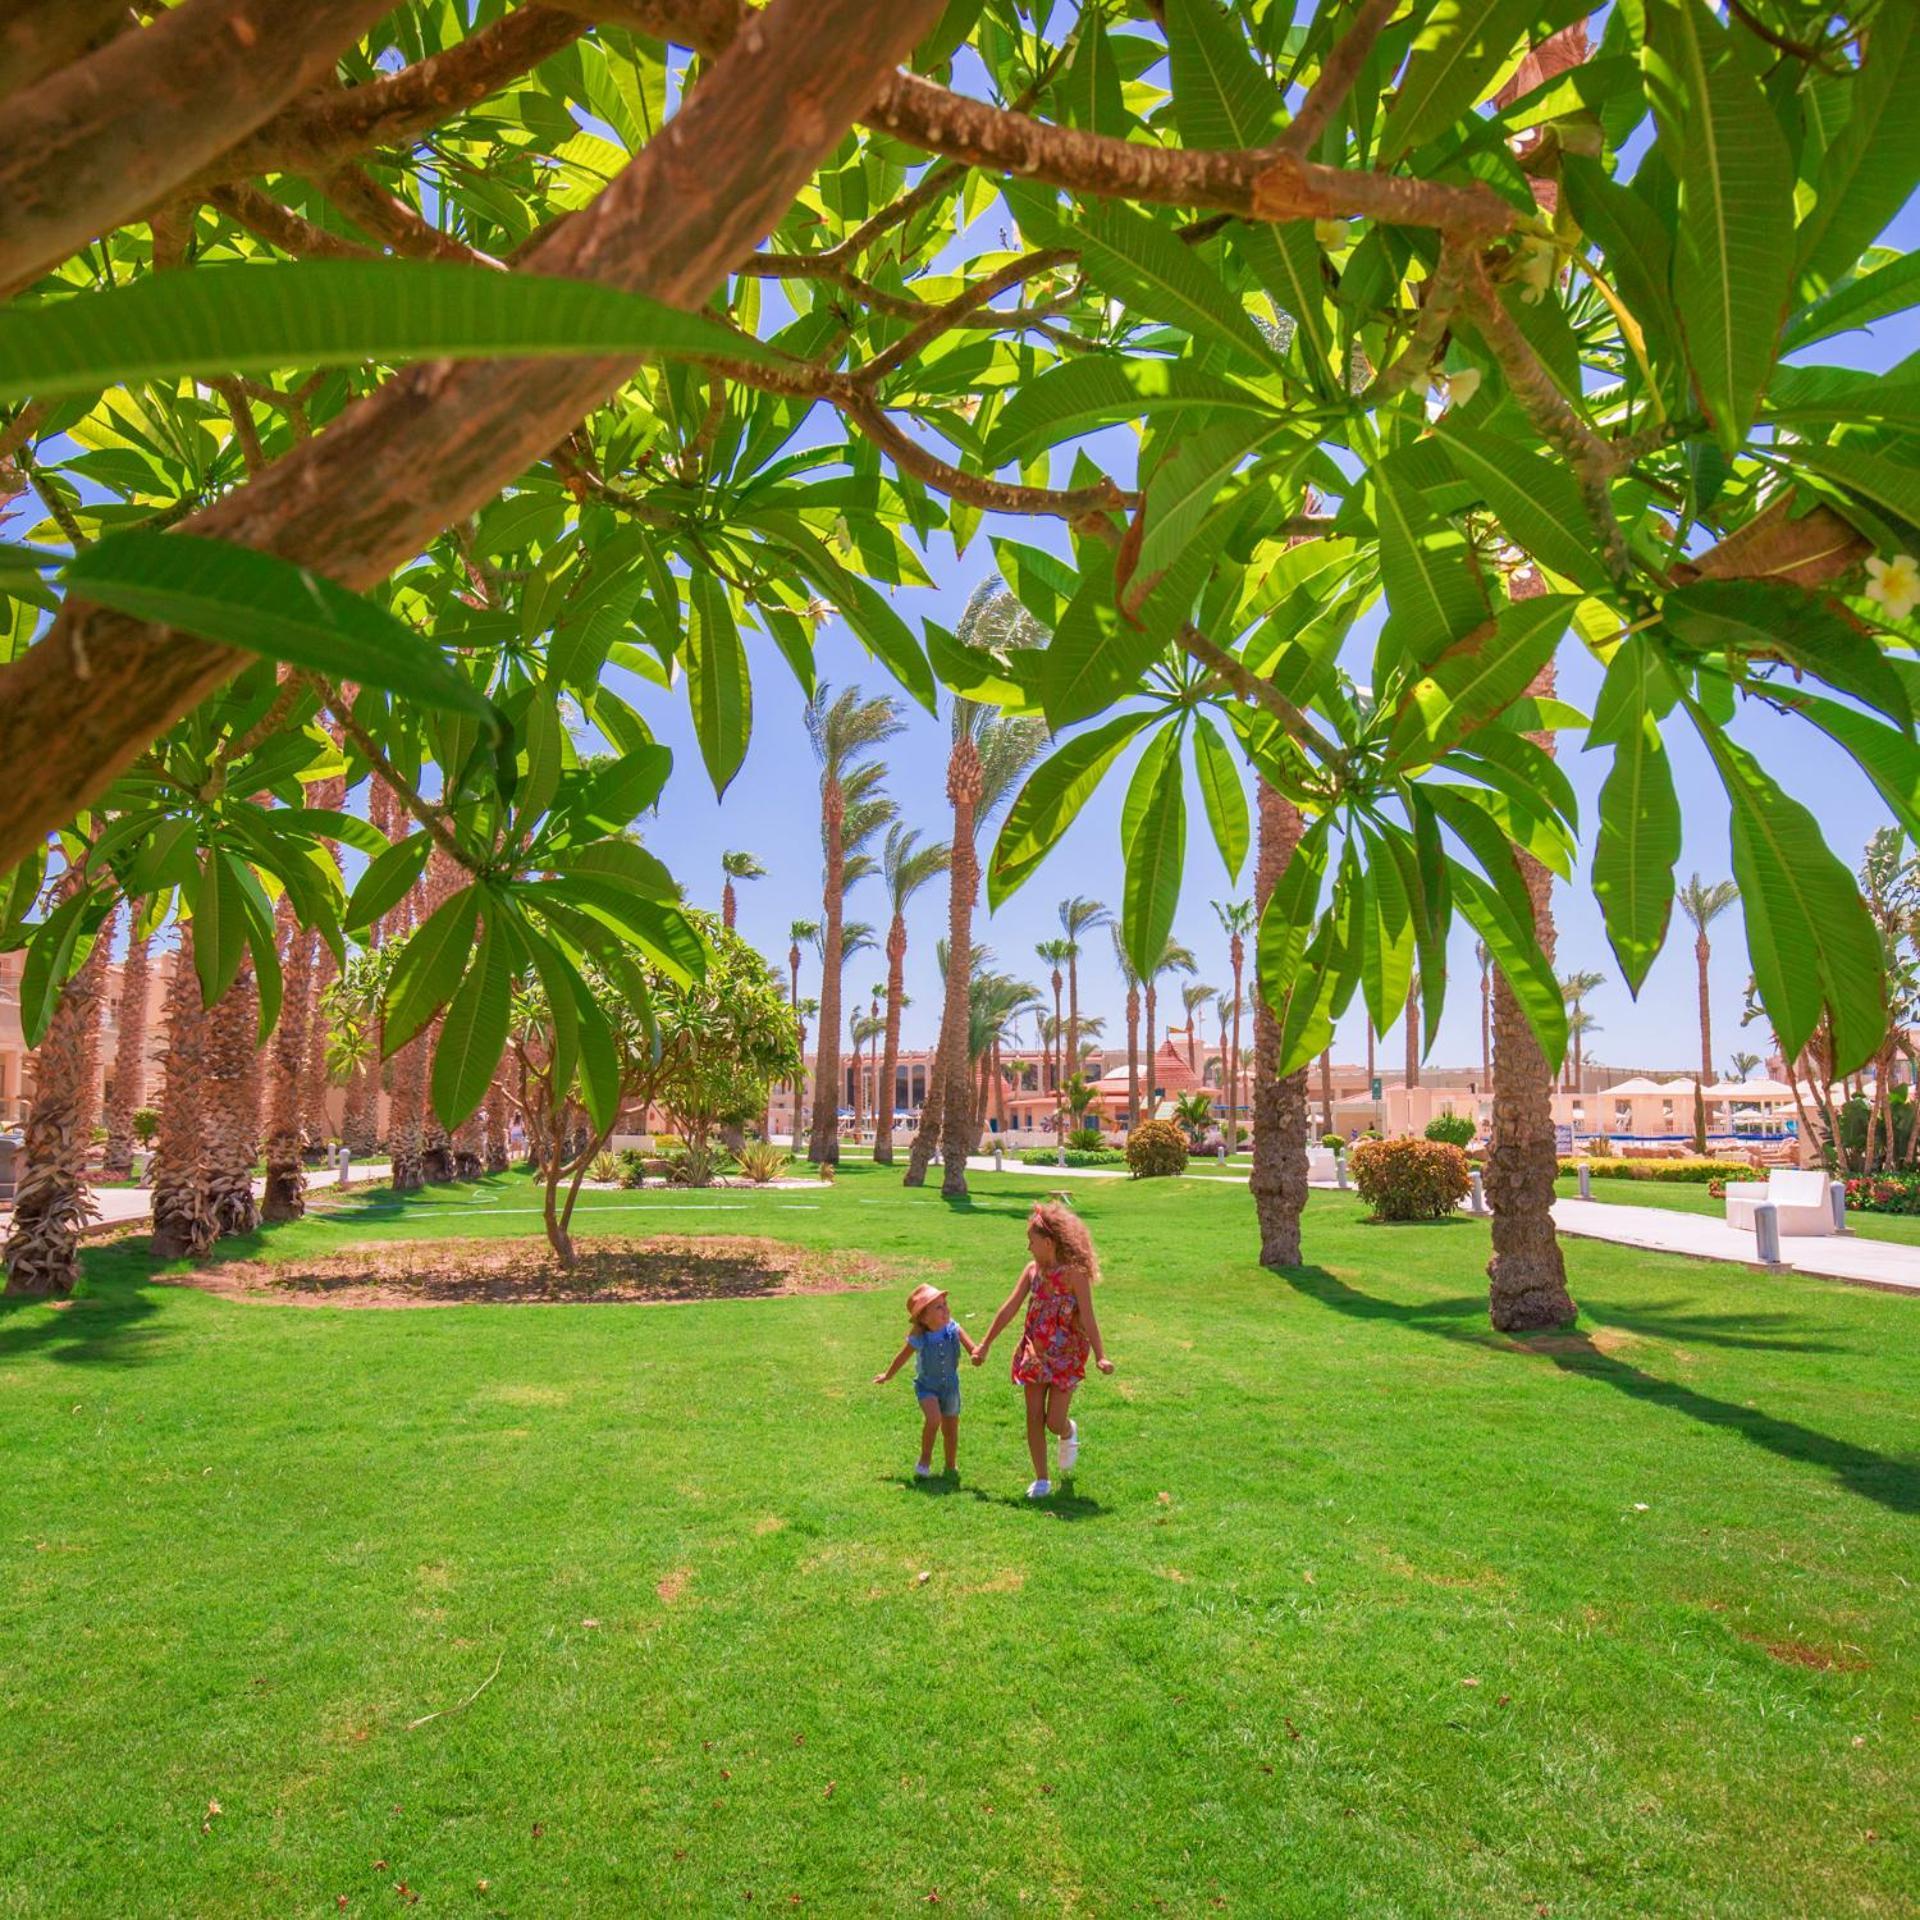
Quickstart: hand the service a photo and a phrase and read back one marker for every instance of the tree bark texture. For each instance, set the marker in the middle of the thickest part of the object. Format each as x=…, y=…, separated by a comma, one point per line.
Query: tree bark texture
x=958, y=1133
x=1527, y=1277
x=926, y=1139
x=1152, y=1000
x=497, y=1155
x=1279, y=1178
x=286, y=1195
x=128, y=1093
x=182, y=1216
x=52, y=1201
x=230, y=1119
x=438, y=440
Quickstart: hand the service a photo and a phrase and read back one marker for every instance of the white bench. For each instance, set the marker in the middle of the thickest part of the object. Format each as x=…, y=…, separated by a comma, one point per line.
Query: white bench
x=1799, y=1195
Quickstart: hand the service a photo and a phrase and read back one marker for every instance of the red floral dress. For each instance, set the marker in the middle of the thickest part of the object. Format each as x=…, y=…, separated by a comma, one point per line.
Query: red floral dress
x=1053, y=1345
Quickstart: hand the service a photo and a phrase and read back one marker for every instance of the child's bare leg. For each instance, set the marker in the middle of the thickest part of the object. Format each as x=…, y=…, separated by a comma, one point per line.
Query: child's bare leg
x=950, y=1437
x=929, y=1426
x=1059, y=1399
x=1037, y=1430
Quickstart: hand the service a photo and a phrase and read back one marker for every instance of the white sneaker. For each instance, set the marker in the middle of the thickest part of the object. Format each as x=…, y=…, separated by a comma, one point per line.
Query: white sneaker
x=1040, y=1489
x=922, y=1471
x=1070, y=1447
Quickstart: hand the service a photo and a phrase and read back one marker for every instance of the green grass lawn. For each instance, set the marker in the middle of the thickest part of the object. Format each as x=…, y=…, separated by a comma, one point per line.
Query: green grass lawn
x=1352, y=1608
x=1902, y=1228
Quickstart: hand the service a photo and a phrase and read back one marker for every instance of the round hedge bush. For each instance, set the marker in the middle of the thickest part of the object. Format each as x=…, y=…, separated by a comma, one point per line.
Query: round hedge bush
x=1156, y=1148
x=1453, y=1128
x=1409, y=1179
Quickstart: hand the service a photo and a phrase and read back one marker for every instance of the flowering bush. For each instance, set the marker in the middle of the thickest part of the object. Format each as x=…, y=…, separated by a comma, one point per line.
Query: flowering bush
x=1409, y=1179
x=1454, y=1128
x=1884, y=1192
x=1156, y=1148
x=1686, y=1173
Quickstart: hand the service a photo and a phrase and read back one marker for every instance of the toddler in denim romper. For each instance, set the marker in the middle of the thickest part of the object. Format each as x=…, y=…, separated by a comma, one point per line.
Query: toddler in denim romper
x=934, y=1339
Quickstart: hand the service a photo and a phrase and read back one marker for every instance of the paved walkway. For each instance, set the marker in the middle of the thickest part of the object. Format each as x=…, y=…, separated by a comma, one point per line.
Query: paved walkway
x=1871, y=1263
x=127, y=1206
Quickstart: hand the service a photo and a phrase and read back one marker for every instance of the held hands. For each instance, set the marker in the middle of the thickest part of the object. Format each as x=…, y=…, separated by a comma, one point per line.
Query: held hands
x=979, y=1356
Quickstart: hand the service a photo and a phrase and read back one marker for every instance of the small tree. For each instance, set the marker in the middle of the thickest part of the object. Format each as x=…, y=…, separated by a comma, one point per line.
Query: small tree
x=1455, y=1129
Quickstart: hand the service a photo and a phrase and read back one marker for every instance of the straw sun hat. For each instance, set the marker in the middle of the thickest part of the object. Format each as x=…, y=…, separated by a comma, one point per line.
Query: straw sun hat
x=921, y=1298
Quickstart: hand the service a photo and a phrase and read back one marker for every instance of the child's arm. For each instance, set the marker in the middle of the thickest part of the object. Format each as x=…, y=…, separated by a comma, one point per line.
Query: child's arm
x=1005, y=1314
x=899, y=1361
x=966, y=1339
x=1083, y=1298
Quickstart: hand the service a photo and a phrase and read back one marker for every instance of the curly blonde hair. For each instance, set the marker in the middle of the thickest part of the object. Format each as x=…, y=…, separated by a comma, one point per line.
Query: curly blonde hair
x=1072, y=1243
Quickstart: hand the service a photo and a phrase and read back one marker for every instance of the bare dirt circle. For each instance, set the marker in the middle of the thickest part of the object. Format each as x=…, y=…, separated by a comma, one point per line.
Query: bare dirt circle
x=609, y=1270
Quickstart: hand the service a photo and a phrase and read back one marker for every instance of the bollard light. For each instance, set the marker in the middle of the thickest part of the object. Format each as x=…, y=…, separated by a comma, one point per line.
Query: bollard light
x=1340, y=1170
x=1477, y=1194
x=1837, y=1200
x=1766, y=1234
x=1220, y=1153
x=346, y=1165
x=997, y=1166
x=1586, y=1181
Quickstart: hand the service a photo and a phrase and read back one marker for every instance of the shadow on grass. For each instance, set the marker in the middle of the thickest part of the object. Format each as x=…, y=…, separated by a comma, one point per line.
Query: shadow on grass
x=1061, y=1504
x=100, y=1326
x=1889, y=1482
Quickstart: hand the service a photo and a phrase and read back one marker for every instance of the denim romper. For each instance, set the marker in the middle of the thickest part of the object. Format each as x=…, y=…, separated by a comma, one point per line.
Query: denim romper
x=936, y=1373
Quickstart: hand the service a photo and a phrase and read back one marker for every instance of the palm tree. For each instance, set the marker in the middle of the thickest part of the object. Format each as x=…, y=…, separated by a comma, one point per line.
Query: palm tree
x=840, y=729
x=1527, y=1279
x=51, y=1200
x=1174, y=958
x=736, y=866
x=1193, y=997
x=230, y=1115
x=988, y=756
x=1236, y=922
x=809, y=931
x=1279, y=1177
x=1703, y=904
x=995, y=1002
x=1055, y=954
x=907, y=867
x=1194, y=1112
x=1413, y=1035
x=1078, y=918
x=1574, y=988
x=129, y=1090
x=1743, y=1065
x=1132, y=979
x=286, y=1171
x=182, y=1220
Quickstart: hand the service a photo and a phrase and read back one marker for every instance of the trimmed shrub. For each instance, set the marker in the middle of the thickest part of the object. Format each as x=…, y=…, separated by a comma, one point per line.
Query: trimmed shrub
x=1076, y=1157
x=1155, y=1149
x=1455, y=1129
x=1088, y=1140
x=1409, y=1179
x=1334, y=1141
x=1691, y=1172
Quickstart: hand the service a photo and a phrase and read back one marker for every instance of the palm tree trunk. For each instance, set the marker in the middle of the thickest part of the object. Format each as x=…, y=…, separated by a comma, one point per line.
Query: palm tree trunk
x=932, y=1113
x=1236, y=1097
x=890, y=1056
x=957, y=1135
x=286, y=1173
x=1059, y=1064
x=1134, y=1115
x=52, y=1201
x=1527, y=1277
x=498, y=1156
x=1193, y=1043
x=1073, y=1010
x=407, y=1079
x=182, y=1219
x=130, y=1048
x=727, y=906
x=1701, y=952
x=230, y=1061
x=1152, y=998
x=999, y=1089
x=1413, y=1047
x=1279, y=1178
x=1326, y=1091
x=315, y=1122
x=824, y=1145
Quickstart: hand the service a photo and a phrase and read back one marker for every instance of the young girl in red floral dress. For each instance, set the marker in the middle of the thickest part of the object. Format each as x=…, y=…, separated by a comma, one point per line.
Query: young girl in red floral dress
x=1060, y=1332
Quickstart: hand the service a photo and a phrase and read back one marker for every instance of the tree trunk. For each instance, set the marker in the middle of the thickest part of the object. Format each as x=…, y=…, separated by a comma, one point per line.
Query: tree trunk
x=498, y=1156
x=1326, y=1091
x=727, y=906
x=1528, y=1278
x=823, y=1146
x=1279, y=1178
x=1486, y=1028
x=52, y=1201
x=1235, y=1098
x=315, y=1125
x=926, y=1139
x=1701, y=952
x=182, y=1219
x=1134, y=1115
x=292, y=1038
x=407, y=1080
x=890, y=1056
x=1073, y=1012
x=230, y=1061
x=1413, y=1047
x=129, y=1092
x=958, y=1136
x=1152, y=1002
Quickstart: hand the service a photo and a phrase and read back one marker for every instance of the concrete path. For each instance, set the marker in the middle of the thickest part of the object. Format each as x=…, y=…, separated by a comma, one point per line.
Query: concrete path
x=127, y=1206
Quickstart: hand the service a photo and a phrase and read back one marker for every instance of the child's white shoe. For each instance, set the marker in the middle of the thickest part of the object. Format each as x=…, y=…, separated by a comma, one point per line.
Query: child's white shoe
x=1040, y=1489
x=922, y=1470
x=1070, y=1447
